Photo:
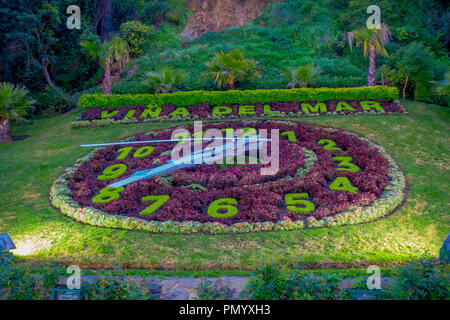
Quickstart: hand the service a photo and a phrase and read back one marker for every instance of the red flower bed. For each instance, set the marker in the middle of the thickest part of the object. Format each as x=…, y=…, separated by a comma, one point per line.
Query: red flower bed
x=204, y=110
x=259, y=198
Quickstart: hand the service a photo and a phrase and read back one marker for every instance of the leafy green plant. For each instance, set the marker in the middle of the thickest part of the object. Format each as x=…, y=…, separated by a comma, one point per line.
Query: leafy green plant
x=207, y=290
x=14, y=103
x=415, y=66
x=227, y=69
x=137, y=36
x=425, y=279
x=268, y=282
x=165, y=80
x=108, y=288
x=302, y=76
x=54, y=100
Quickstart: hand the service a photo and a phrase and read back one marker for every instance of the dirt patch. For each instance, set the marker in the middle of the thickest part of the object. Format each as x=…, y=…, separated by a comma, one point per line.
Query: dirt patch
x=215, y=15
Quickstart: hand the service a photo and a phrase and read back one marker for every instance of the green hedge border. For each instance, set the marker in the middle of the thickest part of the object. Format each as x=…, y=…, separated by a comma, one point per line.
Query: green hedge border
x=391, y=198
x=192, y=98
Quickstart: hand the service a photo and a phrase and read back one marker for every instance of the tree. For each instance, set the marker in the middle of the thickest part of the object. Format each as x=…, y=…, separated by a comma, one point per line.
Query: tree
x=113, y=53
x=104, y=20
x=42, y=25
x=372, y=41
x=166, y=80
x=14, y=103
x=415, y=66
x=228, y=68
x=302, y=76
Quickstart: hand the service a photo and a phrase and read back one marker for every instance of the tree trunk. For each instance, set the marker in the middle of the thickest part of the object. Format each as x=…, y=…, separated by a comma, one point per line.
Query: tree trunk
x=107, y=82
x=5, y=135
x=371, y=75
x=45, y=64
x=404, y=87
x=103, y=23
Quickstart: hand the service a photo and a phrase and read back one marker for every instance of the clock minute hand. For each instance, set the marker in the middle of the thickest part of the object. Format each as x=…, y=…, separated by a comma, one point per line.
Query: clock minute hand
x=183, y=162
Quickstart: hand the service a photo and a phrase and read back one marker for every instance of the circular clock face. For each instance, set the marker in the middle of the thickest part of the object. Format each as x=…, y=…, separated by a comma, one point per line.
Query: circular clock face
x=324, y=177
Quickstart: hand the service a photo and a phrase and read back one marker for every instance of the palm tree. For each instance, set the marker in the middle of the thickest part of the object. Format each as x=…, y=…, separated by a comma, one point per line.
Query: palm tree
x=302, y=76
x=372, y=41
x=165, y=80
x=111, y=53
x=228, y=68
x=14, y=102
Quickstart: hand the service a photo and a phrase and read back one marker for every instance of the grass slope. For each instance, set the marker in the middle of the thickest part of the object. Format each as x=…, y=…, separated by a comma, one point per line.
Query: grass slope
x=418, y=141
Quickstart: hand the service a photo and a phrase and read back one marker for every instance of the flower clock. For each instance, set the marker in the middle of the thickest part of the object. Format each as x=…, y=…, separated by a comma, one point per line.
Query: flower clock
x=325, y=178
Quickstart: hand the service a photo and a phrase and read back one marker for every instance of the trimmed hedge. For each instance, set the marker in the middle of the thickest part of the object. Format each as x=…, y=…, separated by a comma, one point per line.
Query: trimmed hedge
x=189, y=98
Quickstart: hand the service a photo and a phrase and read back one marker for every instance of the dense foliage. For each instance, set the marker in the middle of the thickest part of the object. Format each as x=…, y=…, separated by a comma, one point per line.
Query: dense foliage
x=417, y=280
x=38, y=50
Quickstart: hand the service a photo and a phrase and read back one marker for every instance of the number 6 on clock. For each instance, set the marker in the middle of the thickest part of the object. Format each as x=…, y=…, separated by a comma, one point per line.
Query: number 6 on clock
x=293, y=200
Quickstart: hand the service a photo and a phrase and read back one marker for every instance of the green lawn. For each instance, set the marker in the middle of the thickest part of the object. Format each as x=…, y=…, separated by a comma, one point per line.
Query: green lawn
x=419, y=141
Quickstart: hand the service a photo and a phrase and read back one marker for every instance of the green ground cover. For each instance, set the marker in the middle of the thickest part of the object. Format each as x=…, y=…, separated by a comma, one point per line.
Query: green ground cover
x=418, y=141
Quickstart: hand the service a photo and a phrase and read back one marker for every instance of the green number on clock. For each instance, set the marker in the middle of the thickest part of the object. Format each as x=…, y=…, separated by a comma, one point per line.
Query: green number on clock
x=123, y=152
x=290, y=135
x=249, y=132
x=293, y=200
x=107, y=195
x=225, y=204
x=182, y=136
x=328, y=144
x=143, y=152
x=345, y=164
x=158, y=202
x=112, y=172
x=343, y=184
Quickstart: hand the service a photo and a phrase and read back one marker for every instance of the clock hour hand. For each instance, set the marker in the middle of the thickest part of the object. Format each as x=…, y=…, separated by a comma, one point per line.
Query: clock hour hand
x=186, y=161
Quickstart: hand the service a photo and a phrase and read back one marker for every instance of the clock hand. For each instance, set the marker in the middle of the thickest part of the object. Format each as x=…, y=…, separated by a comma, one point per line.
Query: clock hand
x=186, y=161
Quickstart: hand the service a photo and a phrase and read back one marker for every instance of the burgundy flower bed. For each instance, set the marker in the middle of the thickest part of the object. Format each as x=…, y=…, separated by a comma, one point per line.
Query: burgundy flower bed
x=204, y=110
x=259, y=198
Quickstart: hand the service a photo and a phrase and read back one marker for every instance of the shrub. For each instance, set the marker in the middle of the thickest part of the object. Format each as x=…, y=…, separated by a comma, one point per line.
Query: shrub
x=416, y=66
x=302, y=76
x=54, y=100
x=164, y=81
x=192, y=98
x=269, y=282
x=137, y=35
x=116, y=289
x=421, y=280
x=22, y=284
x=207, y=290
x=227, y=69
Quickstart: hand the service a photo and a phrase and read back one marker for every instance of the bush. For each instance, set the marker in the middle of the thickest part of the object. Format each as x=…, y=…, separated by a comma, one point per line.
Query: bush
x=421, y=280
x=137, y=35
x=274, y=282
x=23, y=284
x=207, y=290
x=227, y=69
x=192, y=98
x=116, y=289
x=54, y=100
x=269, y=282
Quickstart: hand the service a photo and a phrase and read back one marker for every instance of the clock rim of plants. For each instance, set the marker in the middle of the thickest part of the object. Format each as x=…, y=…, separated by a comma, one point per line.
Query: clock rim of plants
x=393, y=196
